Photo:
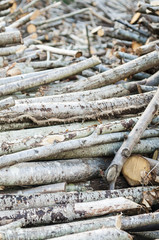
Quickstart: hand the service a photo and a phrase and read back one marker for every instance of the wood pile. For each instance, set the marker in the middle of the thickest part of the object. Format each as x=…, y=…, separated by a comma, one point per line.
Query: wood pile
x=79, y=136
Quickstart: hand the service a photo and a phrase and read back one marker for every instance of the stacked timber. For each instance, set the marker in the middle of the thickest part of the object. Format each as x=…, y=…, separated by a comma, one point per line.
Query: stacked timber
x=79, y=136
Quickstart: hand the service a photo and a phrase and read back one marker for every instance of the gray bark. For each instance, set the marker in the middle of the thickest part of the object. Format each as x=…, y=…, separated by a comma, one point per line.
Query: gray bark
x=10, y=38
x=71, y=111
x=56, y=148
x=50, y=77
x=37, y=173
x=114, y=75
x=146, y=234
x=69, y=212
x=133, y=138
x=145, y=146
x=24, y=201
x=14, y=141
x=99, y=234
x=6, y=103
x=141, y=221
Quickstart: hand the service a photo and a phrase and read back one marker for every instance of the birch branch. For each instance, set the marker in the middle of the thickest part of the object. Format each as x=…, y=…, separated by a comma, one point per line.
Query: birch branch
x=73, y=111
x=51, y=188
x=144, y=147
x=73, y=170
x=10, y=38
x=56, y=149
x=47, y=78
x=133, y=138
x=142, y=221
x=114, y=75
x=69, y=212
x=99, y=234
x=6, y=103
x=24, y=201
x=60, y=51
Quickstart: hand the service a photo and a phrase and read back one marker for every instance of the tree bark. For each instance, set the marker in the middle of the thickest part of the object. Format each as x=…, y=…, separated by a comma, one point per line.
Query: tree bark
x=25, y=201
x=99, y=234
x=10, y=38
x=114, y=75
x=133, y=138
x=142, y=221
x=69, y=212
x=73, y=111
x=6, y=103
x=37, y=173
x=50, y=77
x=56, y=148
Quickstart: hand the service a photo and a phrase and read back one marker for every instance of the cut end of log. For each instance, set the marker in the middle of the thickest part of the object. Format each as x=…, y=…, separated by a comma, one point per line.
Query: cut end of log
x=135, y=170
x=31, y=28
x=78, y=54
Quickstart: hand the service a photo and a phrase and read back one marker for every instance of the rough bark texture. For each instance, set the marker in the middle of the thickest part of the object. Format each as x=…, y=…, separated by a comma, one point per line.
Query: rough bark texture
x=24, y=201
x=133, y=138
x=114, y=75
x=69, y=212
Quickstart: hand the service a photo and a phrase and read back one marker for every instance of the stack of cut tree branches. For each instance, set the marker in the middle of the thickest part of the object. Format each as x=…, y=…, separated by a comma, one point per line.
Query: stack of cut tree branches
x=79, y=118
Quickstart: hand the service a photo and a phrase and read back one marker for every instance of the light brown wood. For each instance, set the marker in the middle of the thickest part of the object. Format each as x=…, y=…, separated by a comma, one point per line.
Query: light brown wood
x=135, y=170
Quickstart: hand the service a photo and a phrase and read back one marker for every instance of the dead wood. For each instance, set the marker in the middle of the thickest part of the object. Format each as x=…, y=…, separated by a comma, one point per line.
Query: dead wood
x=73, y=111
x=114, y=75
x=29, y=200
x=73, y=170
x=52, y=76
x=142, y=222
x=101, y=234
x=134, y=136
x=69, y=212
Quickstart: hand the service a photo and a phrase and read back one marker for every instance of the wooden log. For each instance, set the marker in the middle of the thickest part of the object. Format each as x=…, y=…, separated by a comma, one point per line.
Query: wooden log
x=6, y=51
x=114, y=75
x=15, y=141
x=6, y=103
x=136, y=170
x=147, y=48
x=99, y=234
x=69, y=212
x=134, y=136
x=146, y=234
x=23, y=20
x=55, y=149
x=142, y=221
x=153, y=80
x=6, y=4
x=51, y=188
x=13, y=225
x=147, y=170
x=74, y=170
x=24, y=201
x=50, y=77
x=122, y=34
x=73, y=111
x=145, y=146
x=18, y=12
x=10, y=38
x=150, y=198
x=61, y=17
x=60, y=51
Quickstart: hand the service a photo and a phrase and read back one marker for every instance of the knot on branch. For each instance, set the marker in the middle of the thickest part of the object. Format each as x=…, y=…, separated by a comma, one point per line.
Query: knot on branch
x=111, y=173
x=126, y=152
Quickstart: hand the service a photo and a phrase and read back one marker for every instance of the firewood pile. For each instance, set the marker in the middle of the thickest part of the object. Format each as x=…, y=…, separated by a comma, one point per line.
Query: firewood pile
x=79, y=136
